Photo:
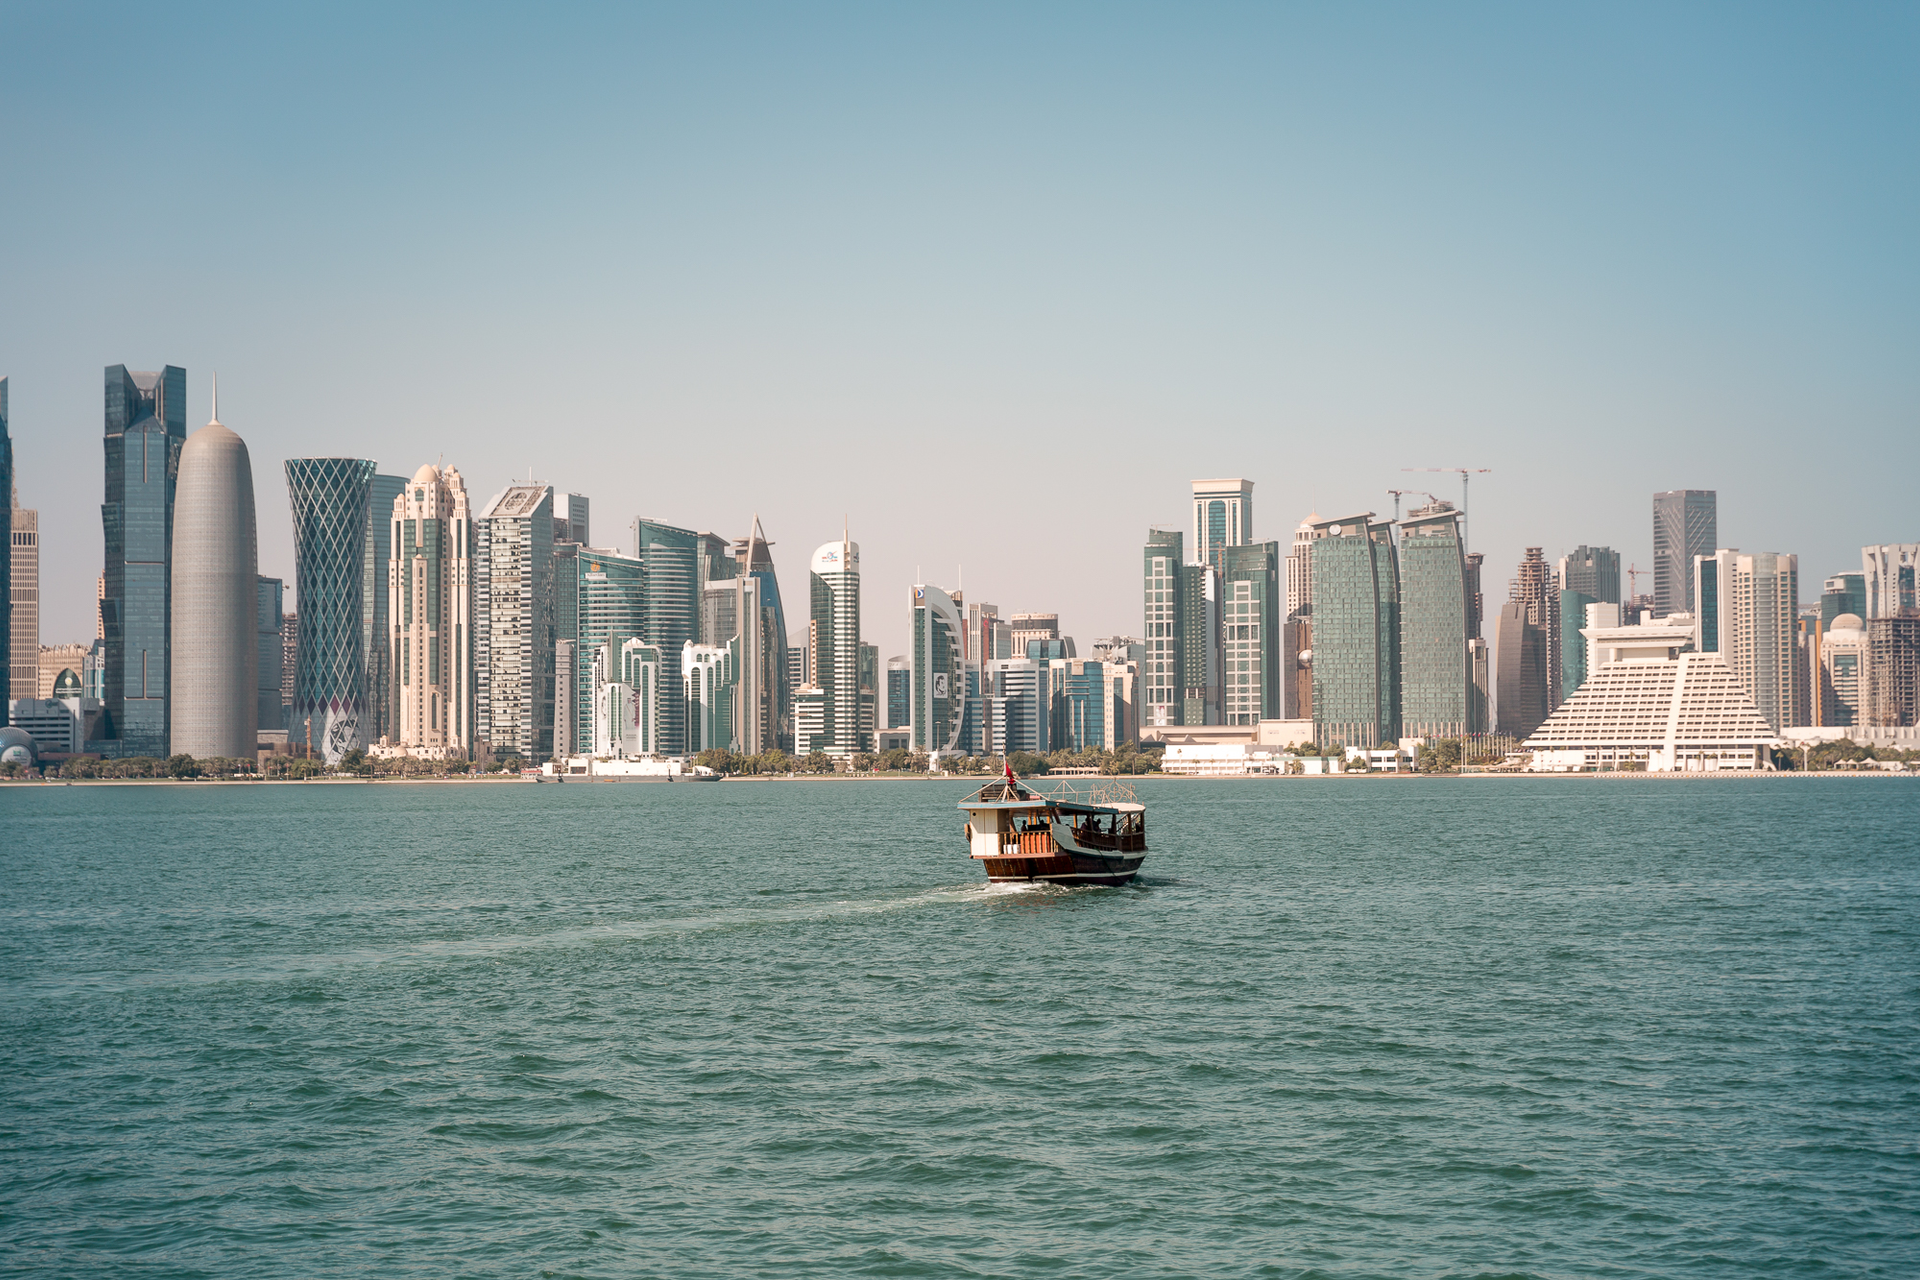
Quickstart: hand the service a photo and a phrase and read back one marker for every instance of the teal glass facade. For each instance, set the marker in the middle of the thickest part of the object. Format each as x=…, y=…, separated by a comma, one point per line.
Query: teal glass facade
x=670, y=568
x=1573, y=645
x=1436, y=689
x=329, y=499
x=1356, y=633
x=609, y=603
x=1843, y=593
x=1251, y=607
x=146, y=425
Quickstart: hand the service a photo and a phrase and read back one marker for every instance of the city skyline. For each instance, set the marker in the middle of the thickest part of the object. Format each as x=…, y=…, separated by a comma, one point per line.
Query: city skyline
x=1311, y=248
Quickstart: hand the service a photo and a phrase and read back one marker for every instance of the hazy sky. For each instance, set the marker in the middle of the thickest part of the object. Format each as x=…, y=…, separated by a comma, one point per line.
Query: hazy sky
x=992, y=283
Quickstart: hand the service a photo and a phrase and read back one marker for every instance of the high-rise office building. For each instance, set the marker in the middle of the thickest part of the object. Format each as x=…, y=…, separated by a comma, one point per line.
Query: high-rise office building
x=514, y=624
x=216, y=597
x=1476, y=599
x=1300, y=569
x=938, y=697
x=609, y=604
x=627, y=683
x=1520, y=678
x=1745, y=609
x=1891, y=695
x=7, y=692
x=1685, y=525
x=1594, y=572
x=1436, y=678
x=716, y=560
x=765, y=696
x=430, y=615
x=570, y=519
x=375, y=633
x=1254, y=657
x=1222, y=518
x=1182, y=657
x=707, y=683
x=670, y=557
x=1028, y=627
x=289, y=664
x=836, y=718
x=899, y=692
x=58, y=661
x=22, y=594
x=1843, y=593
x=1533, y=586
x=267, y=621
x=329, y=498
x=1888, y=577
x=1843, y=671
x=146, y=425
x=1572, y=613
x=1356, y=632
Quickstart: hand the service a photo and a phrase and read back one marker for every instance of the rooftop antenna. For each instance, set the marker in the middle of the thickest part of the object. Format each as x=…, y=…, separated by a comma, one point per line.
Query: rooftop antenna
x=216, y=397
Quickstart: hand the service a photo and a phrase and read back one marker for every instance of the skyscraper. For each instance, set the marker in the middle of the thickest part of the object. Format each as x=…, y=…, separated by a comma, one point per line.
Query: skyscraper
x=1222, y=518
x=1179, y=659
x=1843, y=593
x=146, y=425
x=6, y=570
x=514, y=624
x=1300, y=569
x=375, y=634
x=570, y=522
x=430, y=610
x=1520, y=678
x=1890, y=696
x=1592, y=571
x=1254, y=657
x=24, y=597
x=329, y=498
x=1684, y=526
x=610, y=591
x=1436, y=680
x=1356, y=633
x=765, y=696
x=216, y=597
x=1745, y=607
x=834, y=577
x=670, y=557
x=938, y=698
x=1888, y=574
x=289, y=664
x=1534, y=587
x=267, y=621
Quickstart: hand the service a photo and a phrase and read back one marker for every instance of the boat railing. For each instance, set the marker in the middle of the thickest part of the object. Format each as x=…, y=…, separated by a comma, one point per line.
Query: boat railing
x=1089, y=791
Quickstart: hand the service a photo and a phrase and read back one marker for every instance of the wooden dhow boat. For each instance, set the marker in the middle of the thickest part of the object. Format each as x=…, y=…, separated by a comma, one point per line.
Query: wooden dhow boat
x=1070, y=834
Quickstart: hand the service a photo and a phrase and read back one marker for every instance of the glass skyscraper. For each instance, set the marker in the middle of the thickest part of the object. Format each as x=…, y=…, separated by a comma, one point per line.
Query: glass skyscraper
x=1684, y=526
x=329, y=498
x=146, y=426
x=1182, y=619
x=1252, y=640
x=267, y=621
x=670, y=563
x=1356, y=633
x=1843, y=593
x=610, y=593
x=1436, y=681
x=766, y=685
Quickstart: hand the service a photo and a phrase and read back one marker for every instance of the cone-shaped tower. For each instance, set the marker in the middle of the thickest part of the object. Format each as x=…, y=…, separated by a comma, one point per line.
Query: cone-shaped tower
x=215, y=561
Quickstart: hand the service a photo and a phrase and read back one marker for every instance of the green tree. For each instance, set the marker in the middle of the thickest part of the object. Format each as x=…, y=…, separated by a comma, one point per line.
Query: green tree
x=183, y=766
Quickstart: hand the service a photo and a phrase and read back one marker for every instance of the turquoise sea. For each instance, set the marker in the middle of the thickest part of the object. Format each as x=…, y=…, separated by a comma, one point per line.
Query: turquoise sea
x=1344, y=1028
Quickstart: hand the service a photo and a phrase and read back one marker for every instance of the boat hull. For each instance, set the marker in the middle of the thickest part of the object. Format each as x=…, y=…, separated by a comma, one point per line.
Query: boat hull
x=1064, y=867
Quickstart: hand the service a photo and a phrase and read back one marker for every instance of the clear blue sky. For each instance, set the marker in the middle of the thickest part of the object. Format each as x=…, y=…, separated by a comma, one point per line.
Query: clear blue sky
x=993, y=282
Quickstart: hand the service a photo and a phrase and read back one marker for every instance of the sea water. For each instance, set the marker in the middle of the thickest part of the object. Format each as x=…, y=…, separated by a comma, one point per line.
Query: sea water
x=1342, y=1027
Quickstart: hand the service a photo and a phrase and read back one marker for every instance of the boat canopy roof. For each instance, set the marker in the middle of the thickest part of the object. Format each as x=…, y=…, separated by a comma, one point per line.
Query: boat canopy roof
x=1044, y=802
x=1066, y=798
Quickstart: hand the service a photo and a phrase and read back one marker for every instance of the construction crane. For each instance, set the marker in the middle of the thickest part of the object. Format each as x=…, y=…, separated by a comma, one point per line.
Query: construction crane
x=1633, y=582
x=1464, y=473
x=1396, y=500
